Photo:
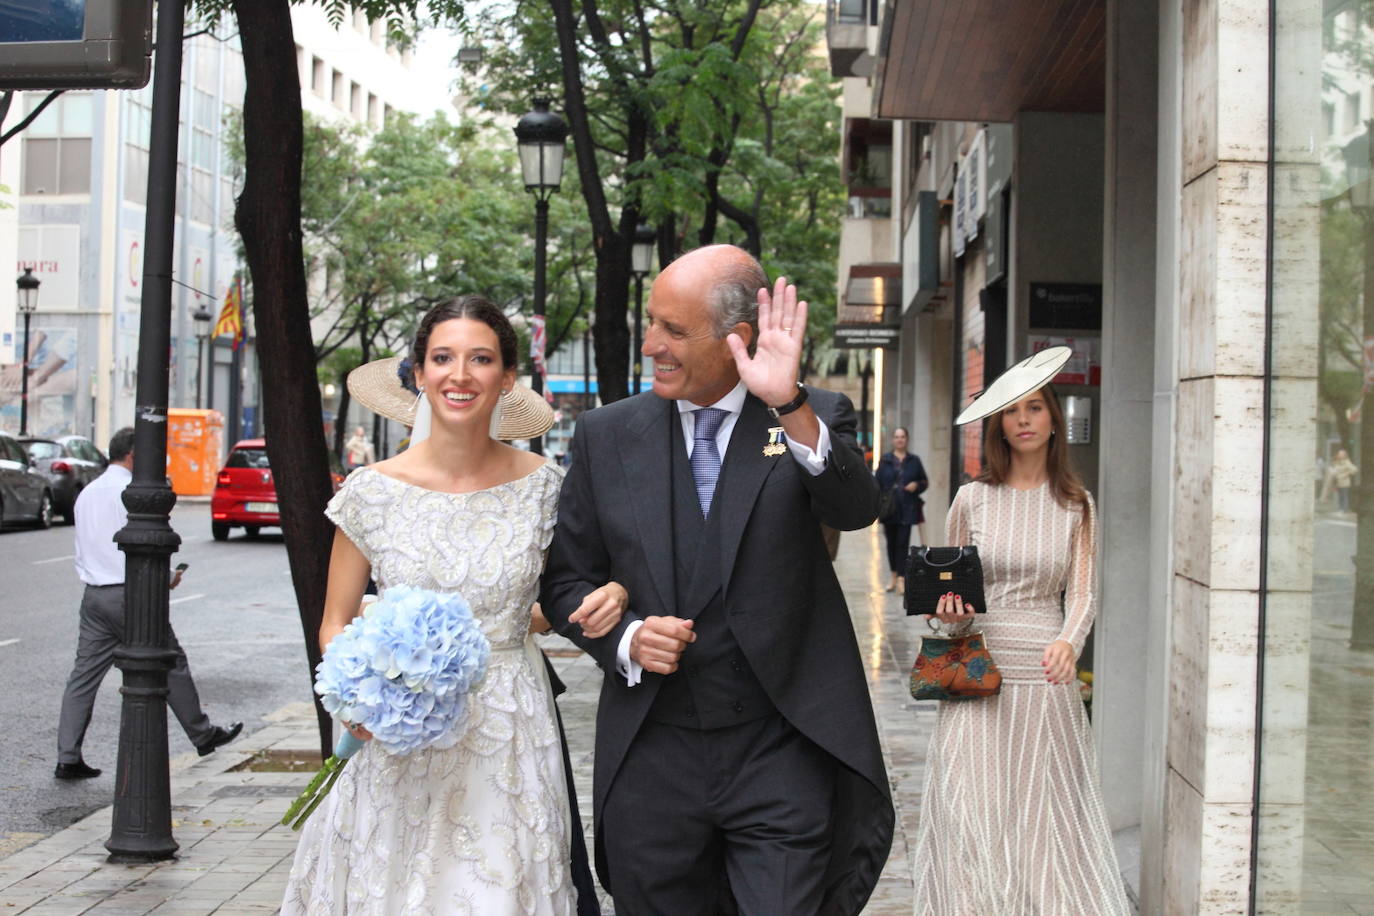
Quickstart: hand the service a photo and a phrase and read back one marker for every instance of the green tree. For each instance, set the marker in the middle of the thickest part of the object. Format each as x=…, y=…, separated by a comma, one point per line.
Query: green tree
x=715, y=122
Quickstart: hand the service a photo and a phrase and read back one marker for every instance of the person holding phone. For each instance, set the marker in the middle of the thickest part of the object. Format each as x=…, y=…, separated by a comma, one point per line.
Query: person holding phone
x=100, y=513
x=1012, y=817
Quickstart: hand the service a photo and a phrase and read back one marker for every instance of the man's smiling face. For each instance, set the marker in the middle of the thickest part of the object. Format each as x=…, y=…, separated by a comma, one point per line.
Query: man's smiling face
x=690, y=362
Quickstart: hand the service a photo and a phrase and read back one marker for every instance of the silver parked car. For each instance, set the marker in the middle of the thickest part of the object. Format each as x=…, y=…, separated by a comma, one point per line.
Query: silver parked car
x=24, y=493
x=69, y=463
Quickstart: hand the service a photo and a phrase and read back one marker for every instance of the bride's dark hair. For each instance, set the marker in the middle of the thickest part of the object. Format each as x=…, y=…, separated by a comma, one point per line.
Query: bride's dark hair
x=477, y=309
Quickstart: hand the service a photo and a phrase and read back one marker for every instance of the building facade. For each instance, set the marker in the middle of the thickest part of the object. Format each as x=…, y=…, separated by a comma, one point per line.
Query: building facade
x=1181, y=192
x=74, y=213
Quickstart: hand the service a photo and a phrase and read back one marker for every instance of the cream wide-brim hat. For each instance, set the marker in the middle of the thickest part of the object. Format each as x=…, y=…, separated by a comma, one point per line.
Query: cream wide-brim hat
x=377, y=386
x=1031, y=374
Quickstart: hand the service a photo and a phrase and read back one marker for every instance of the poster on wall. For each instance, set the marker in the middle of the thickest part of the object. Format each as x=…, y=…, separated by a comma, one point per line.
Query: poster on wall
x=1083, y=368
x=52, y=384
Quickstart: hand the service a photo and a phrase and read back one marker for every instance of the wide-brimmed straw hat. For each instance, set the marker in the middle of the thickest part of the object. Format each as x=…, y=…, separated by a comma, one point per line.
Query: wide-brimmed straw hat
x=1031, y=374
x=378, y=387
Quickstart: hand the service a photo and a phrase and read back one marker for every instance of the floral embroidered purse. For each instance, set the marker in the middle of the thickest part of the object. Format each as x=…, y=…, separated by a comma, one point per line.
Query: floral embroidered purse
x=954, y=668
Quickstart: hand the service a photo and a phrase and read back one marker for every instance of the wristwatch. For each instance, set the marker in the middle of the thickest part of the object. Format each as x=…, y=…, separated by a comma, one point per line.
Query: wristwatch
x=791, y=405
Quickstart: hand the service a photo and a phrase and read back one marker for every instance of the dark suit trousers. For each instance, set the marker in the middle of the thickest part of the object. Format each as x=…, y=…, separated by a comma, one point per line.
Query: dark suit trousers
x=691, y=808
x=102, y=630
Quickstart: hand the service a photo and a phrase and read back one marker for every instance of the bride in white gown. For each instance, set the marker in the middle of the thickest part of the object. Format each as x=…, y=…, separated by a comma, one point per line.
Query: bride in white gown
x=481, y=827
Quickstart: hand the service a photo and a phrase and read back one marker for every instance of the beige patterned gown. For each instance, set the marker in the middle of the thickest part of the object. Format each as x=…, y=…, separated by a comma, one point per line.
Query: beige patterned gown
x=1012, y=821
x=481, y=827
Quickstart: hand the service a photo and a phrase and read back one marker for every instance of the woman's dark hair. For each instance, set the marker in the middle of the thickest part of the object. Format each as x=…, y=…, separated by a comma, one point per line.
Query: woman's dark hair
x=1065, y=483
x=477, y=309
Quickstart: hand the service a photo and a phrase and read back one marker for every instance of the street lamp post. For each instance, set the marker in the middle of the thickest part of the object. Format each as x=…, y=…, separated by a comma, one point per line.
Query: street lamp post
x=540, y=136
x=28, y=301
x=141, y=824
x=201, y=318
x=641, y=262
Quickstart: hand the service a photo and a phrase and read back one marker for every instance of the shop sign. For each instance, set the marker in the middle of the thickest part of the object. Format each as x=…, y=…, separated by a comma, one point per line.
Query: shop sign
x=866, y=336
x=1066, y=306
x=54, y=255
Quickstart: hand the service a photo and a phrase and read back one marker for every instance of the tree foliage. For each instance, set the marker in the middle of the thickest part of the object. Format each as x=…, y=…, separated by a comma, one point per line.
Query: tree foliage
x=715, y=122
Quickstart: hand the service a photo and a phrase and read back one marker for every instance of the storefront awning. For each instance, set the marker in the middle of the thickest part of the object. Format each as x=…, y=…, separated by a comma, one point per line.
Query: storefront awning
x=985, y=60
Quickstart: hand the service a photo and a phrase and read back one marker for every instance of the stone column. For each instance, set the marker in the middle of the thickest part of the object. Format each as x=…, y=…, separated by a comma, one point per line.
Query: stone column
x=1219, y=445
x=1128, y=333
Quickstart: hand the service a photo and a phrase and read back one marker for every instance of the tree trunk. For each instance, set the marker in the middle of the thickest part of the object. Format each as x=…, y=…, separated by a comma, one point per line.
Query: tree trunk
x=612, y=244
x=268, y=218
x=341, y=431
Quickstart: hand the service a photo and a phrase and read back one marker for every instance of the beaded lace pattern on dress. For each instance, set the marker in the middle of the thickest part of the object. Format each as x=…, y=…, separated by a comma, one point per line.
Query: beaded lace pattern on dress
x=482, y=827
x=1012, y=819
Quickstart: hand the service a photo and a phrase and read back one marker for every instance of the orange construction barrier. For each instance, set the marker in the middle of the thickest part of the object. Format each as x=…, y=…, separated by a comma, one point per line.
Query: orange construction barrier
x=195, y=444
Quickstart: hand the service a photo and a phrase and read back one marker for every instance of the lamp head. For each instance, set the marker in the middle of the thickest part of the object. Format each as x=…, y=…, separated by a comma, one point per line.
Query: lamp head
x=540, y=135
x=201, y=317
x=28, y=290
x=642, y=251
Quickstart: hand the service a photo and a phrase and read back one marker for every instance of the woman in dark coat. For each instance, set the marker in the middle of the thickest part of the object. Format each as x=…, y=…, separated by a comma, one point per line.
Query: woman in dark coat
x=903, y=471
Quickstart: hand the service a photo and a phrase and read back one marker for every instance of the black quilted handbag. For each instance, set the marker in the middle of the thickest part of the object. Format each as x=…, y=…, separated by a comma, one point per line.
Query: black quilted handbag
x=935, y=571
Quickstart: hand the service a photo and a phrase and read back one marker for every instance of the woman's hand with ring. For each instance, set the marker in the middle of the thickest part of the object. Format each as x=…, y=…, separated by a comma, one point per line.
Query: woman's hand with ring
x=357, y=731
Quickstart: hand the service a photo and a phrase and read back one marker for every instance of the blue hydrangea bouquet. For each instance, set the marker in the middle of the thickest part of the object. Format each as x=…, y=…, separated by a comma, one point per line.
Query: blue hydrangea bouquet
x=402, y=671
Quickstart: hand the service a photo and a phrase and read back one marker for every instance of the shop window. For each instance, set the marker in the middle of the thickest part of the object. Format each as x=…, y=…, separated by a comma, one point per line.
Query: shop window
x=1315, y=798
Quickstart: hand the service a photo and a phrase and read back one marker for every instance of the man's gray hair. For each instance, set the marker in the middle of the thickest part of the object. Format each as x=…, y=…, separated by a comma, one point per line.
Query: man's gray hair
x=734, y=298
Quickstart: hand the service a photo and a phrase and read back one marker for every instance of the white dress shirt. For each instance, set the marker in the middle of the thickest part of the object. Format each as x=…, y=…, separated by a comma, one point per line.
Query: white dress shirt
x=813, y=460
x=100, y=513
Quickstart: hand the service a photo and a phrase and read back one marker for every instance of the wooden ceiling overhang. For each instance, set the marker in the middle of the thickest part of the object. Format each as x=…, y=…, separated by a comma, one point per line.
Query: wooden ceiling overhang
x=985, y=60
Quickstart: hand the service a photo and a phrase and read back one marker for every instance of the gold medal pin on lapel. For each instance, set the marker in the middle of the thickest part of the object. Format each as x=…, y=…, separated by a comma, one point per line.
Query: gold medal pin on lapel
x=775, y=444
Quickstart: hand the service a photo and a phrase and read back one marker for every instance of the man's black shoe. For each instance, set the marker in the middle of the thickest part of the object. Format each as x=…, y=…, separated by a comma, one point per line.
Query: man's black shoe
x=219, y=737
x=77, y=770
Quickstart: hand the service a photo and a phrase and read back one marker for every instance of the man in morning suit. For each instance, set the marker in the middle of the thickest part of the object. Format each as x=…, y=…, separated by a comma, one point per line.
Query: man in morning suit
x=736, y=750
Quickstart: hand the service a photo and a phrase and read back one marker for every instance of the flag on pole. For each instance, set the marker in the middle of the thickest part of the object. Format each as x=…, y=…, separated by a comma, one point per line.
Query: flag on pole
x=537, y=353
x=231, y=316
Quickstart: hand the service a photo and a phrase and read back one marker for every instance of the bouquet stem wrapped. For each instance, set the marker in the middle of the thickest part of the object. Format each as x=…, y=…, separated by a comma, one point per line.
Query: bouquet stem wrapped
x=324, y=780
x=402, y=670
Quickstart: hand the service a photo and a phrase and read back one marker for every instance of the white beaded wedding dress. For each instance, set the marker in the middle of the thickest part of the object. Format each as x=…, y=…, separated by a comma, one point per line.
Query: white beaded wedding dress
x=481, y=827
x=1012, y=821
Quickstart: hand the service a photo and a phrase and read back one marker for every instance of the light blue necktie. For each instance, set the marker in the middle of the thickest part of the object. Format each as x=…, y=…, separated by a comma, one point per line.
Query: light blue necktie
x=705, y=455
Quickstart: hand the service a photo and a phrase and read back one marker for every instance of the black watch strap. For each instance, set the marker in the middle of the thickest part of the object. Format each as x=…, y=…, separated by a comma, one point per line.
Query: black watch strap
x=791, y=405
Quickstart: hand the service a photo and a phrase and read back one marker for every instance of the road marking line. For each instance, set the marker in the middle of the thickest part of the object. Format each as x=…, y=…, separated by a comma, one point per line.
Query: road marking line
x=187, y=598
x=70, y=556
x=7, y=642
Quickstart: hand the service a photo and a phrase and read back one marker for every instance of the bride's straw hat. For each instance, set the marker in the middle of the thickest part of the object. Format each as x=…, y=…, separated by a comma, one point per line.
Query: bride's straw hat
x=378, y=386
x=1031, y=374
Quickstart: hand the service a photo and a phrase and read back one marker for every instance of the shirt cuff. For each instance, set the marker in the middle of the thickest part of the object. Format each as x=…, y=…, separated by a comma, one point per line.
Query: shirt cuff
x=628, y=667
x=813, y=460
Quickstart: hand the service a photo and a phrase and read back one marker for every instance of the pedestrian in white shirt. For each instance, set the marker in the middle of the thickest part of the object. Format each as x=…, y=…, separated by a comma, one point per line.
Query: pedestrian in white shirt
x=100, y=514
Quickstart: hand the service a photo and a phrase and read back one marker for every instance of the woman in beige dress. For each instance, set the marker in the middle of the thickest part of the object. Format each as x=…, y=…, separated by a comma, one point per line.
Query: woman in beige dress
x=1012, y=820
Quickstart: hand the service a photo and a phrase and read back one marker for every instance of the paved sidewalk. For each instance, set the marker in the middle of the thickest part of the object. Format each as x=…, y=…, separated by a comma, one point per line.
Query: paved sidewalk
x=234, y=854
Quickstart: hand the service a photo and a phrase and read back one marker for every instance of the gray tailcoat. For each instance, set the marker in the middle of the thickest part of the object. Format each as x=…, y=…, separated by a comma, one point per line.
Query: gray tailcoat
x=782, y=599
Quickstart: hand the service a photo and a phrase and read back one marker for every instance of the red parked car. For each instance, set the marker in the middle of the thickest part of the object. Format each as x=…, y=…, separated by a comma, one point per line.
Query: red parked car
x=245, y=494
